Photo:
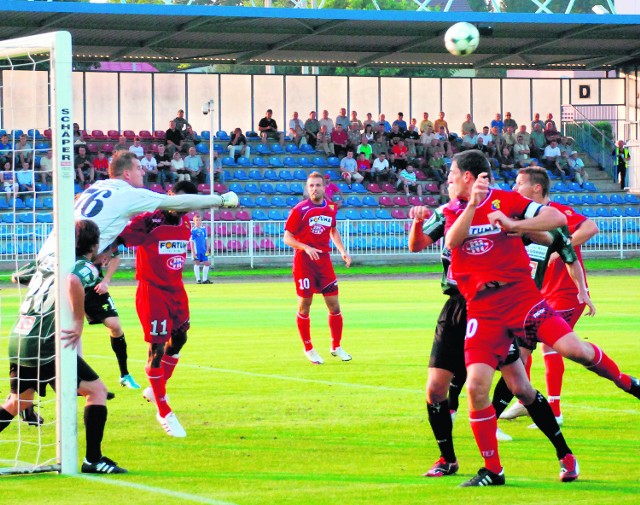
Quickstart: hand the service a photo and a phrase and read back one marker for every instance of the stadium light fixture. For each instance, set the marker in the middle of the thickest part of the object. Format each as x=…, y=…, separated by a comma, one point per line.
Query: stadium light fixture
x=599, y=9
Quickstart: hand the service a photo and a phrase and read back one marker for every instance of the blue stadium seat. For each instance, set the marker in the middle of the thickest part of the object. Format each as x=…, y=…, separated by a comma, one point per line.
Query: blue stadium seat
x=344, y=187
x=616, y=199
x=359, y=243
x=6, y=231
x=263, y=149
x=631, y=212
x=341, y=214
x=222, y=135
x=631, y=225
x=252, y=188
x=275, y=161
x=259, y=215
x=255, y=175
x=205, y=135
x=292, y=149
x=589, y=200
x=18, y=203
x=353, y=201
x=247, y=201
x=305, y=162
x=604, y=225
x=288, y=161
x=267, y=188
x=590, y=187
x=241, y=174
x=286, y=175
x=574, y=200
x=603, y=212
x=262, y=201
x=43, y=217
x=616, y=212
x=319, y=161
x=589, y=212
x=276, y=215
x=396, y=227
x=603, y=199
x=393, y=242
x=243, y=161
x=369, y=201
x=335, y=176
x=237, y=188
x=560, y=187
x=307, y=149
x=632, y=199
x=356, y=187
x=377, y=243
x=561, y=199
x=278, y=201
x=383, y=214
x=353, y=214
x=202, y=148
x=277, y=149
x=259, y=161
x=368, y=214
x=26, y=217
x=296, y=188
x=219, y=149
x=333, y=161
x=229, y=161
x=292, y=201
x=505, y=186
x=300, y=175
x=283, y=188
x=574, y=187
x=271, y=175
x=631, y=239
x=251, y=135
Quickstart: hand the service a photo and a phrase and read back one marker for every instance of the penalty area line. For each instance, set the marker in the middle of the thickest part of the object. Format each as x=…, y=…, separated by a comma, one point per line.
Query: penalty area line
x=156, y=490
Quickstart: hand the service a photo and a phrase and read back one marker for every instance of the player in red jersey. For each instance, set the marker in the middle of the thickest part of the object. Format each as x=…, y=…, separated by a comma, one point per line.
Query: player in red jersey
x=309, y=228
x=493, y=274
x=558, y=288
x=161, y=300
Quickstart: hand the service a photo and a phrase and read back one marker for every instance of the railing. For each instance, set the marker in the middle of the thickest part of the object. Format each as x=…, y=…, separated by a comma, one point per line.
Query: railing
x=248, y=242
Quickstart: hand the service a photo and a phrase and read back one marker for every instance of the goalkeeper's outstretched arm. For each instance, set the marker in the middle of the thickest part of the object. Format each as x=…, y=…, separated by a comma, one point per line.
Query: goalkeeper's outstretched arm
x=192, y=202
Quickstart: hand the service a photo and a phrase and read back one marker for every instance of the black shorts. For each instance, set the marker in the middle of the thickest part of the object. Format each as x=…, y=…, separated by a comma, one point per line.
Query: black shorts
x=99, y=307
x=447, y=351
x=513, y=355
x=23, y=378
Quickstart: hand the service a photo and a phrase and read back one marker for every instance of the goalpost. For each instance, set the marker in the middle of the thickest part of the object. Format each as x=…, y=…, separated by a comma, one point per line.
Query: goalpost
x=35, y=99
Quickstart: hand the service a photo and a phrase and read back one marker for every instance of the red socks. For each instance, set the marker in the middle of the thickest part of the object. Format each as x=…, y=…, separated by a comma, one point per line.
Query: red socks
x=158, y=384
x=168, y=365
x=554, y=371
x=304, y=328
x=335, y=325
x=484, y=425
x=605, y=367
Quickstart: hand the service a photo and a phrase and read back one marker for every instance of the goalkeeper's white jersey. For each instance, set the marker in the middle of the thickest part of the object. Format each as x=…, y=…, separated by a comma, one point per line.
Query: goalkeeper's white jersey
x=110, y=204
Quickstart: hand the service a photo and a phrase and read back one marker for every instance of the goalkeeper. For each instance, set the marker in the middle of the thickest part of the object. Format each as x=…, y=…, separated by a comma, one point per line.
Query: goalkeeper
x=32, y=347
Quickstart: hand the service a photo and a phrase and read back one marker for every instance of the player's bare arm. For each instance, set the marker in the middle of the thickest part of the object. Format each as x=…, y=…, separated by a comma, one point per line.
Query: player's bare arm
x=417, y=239
x=291, y=241
x=577, y=275
x=547, y=219
x=192, y=202
x=585, y=231
x=72, y=336
x=337, y=240
x=111, y=267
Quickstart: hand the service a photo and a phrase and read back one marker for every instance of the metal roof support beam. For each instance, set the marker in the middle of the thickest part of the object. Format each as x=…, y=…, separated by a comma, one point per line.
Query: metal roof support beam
x=404, y=47
x=608, y=61
x=543, y=7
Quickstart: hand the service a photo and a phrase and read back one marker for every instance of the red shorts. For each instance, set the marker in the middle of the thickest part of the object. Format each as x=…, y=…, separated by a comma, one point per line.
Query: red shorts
x=496, y=316
x=569, y=308
x=314, y=276
x=161, y=311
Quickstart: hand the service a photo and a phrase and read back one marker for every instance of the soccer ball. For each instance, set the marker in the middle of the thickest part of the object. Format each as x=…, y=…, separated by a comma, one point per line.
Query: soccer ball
x=462, y=39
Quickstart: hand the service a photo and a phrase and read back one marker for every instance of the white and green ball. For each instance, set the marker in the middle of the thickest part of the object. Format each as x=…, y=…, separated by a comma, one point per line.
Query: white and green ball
x=462, y=39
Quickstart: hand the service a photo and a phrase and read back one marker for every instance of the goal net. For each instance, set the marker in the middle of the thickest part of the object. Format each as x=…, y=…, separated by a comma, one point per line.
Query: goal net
x=37, y=182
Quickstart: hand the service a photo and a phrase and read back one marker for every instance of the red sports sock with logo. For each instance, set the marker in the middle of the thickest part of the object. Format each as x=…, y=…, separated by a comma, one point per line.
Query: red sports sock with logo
x=157, y=381
x=304, y=328
x=335, y=325
x=554, y=371
x=484, y=425
x=605, y=367
x=169, y=363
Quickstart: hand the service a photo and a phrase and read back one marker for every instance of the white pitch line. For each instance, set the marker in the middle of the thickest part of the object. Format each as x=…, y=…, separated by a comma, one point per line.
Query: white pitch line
x=155, y=490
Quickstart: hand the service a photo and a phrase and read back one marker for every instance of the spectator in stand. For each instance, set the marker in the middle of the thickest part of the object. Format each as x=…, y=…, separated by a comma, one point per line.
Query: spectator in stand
x=551, y=134
x=566, y=172
x=312, y=128
x=149, y=167
x=408, y=181
x=364, y=166
x=400, y=122
x=323, y=141
x=480, y=146
x=509, y=137
x=438, y=167
x=136, y=148
x=426, y=139
x=565, y=145
x=526, y=136
x=508, y=122
x=355, y=123
x=181, y=122
x=621, y=159
x=218, y=172
x=577, y=165
x=349, y=169
x=380, y=169
x=296, y=129
x=9, y=184
x=485, y=136
x=122, y=144
x=24, y=178
x=194, y=164
x=425, y=123
x=394, y=136
x=550, y=120
x=332, y=191
x=166, y=174
x=46, y=167
x=173, y=138
x=268, y=129
x=380, y=144
x=414, y=122
x=383, y=121
x=84, y=168
x=551, y=155
x=365, y=148
x=393, y=169
x=467, y=126
x=441, y=123
x=470, y=140
x=177, y=167
x=497, y=136
x=537, y=120
x=101, y=166
x=24, y=151
x=354, y=136
x=538, y=141
x=5, y=149
x=507, y=165
x=78, y=136
x=369, y=133
x=327, y=122
x=342, y=119
x=238, y=145
x=190, y=139
x=521, y=152
x=340, y=140
x=369, y=122
x=400, y=152
x=436, y=145
x=497, y=123
x=412, y=140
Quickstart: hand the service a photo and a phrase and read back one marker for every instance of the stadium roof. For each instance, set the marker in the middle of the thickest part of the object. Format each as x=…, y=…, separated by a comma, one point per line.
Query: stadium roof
x=258, y=36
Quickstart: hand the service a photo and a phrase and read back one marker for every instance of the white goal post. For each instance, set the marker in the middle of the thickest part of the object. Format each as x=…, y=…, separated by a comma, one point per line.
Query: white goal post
x=48, y=57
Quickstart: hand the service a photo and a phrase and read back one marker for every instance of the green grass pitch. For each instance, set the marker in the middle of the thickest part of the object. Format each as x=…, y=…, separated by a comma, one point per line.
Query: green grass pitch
x=266, y=427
